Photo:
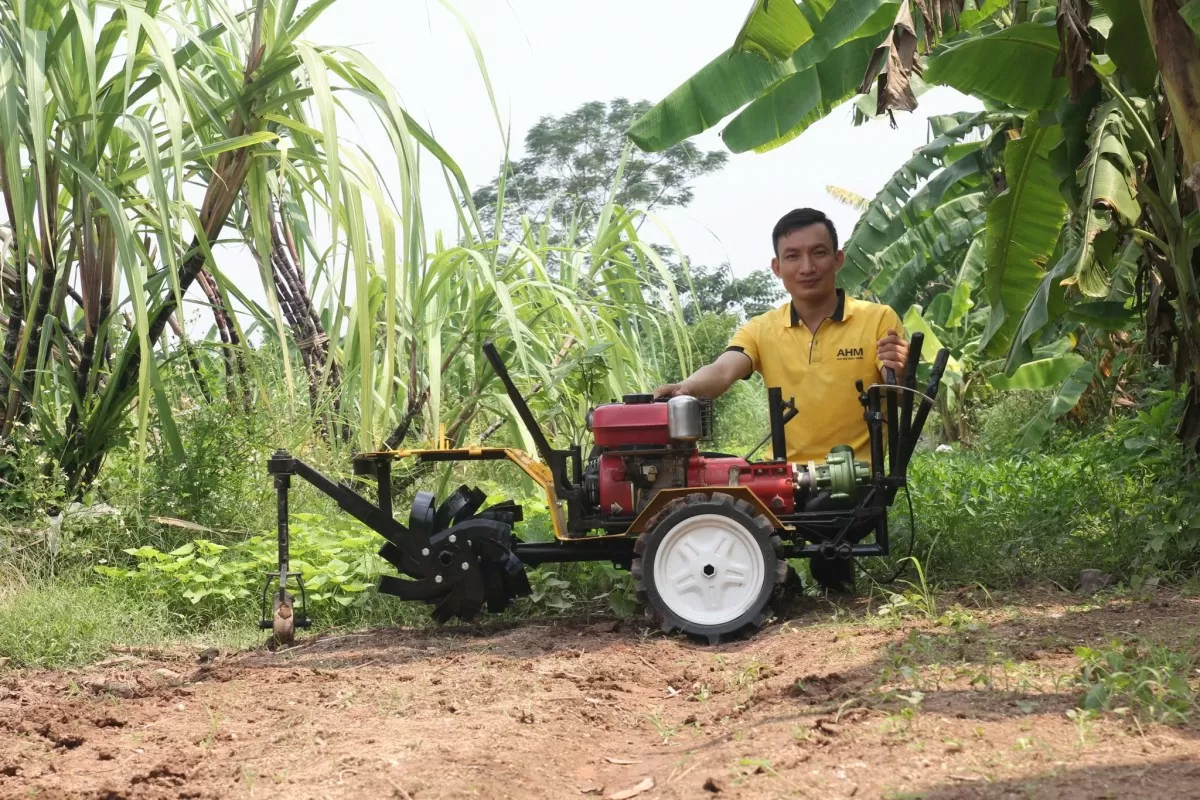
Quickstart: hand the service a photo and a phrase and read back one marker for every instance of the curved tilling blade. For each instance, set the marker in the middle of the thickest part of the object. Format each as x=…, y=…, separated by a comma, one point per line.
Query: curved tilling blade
x=459, y=557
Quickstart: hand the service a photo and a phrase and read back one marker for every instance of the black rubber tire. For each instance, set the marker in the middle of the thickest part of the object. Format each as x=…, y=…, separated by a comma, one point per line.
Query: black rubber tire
x=646, y=549
x=834, y=575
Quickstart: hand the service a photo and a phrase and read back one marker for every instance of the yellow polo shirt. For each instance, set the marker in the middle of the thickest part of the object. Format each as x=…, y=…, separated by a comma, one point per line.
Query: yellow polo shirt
x=819, y=370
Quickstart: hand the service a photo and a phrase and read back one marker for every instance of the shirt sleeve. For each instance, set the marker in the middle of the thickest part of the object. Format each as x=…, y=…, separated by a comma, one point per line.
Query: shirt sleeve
x=889, y=320
x=745, y=341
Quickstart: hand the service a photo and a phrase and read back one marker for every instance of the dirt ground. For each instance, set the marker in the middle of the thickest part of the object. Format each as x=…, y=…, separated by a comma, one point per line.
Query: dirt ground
x=830, y=702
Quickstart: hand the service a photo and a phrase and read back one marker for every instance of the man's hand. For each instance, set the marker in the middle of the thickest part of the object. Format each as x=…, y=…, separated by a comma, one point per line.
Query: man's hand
x=893, y=352
x=667, y=390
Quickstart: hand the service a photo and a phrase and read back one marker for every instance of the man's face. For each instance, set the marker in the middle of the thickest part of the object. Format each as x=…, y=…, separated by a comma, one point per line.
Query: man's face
x=807, y=263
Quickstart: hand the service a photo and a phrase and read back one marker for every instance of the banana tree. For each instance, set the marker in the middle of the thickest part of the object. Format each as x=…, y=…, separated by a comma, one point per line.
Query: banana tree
x=1100, y=96
x=971, y=375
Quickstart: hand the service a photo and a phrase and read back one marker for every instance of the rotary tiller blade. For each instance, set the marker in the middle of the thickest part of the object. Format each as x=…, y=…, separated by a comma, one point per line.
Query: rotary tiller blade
x=423, y=589
x=465, y=556
x=420, y=519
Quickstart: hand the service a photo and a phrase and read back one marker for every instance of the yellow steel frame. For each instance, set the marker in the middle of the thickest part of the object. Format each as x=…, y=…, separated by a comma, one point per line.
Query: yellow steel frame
x=541, y=475
x=536, y=470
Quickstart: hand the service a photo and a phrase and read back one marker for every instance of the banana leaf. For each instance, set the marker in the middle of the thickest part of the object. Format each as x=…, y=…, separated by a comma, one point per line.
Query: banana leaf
x=1104, y=178
x=1040, y=374
x=1012, y=66
x=773, y=29
x=1023, y=226
x=800, y=100
x=737, y=77
x=1070, y=372
x=1128, y=44
x=892, y=208
x=924, y=251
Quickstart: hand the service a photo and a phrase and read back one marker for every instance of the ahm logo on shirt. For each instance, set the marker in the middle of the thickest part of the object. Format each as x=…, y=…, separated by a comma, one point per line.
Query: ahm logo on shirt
x=850, y=354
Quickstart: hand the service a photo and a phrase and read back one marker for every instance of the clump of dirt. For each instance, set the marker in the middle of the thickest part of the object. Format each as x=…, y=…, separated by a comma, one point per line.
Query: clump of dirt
x=833, y=702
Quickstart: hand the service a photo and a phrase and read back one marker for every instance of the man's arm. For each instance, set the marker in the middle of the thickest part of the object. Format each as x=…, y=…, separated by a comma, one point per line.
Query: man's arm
x=712, y=380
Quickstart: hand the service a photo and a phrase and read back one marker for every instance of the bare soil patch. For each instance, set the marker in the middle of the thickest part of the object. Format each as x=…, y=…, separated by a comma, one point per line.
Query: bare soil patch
x=829, y=703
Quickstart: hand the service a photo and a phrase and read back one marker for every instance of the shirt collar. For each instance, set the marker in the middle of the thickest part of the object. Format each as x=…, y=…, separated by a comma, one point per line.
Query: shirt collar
x=839, y=314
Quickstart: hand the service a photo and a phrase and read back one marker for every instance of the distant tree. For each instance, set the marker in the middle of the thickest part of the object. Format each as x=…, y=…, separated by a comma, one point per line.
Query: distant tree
x=715, y=290
x=566, y=175
x=571, y=161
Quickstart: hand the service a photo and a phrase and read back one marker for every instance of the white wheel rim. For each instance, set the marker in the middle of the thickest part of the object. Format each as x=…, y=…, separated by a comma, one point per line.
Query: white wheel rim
x=709, y=569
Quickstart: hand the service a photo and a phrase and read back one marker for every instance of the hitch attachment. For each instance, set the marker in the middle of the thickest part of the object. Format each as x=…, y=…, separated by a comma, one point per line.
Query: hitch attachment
x=283, y=618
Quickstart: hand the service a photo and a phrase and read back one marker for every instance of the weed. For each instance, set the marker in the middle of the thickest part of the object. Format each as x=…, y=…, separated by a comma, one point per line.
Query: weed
x=661, y=727
x=1083, y=719
x=214, y=719
x=918, y=600
x=903, y=720
x=67, y=622
x=748, y=674
x=1151, y=682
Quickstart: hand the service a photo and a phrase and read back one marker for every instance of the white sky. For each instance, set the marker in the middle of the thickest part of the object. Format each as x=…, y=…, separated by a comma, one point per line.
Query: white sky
x=546, y=57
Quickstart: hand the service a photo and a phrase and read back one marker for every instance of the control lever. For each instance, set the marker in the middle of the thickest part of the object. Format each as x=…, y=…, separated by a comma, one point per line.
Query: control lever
x=781, y=414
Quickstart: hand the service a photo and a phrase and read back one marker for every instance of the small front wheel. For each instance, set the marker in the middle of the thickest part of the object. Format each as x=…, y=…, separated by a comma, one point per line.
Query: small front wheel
x=708, y=565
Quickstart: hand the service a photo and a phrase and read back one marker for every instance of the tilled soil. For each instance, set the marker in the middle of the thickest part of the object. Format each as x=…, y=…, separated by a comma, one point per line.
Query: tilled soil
x=833, y=702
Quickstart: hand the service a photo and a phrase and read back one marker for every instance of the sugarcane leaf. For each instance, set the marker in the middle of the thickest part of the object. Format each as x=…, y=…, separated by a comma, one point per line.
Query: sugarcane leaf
x=166, y=419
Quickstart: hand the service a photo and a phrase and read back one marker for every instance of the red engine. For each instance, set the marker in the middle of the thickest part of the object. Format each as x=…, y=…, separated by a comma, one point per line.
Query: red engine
x=644, y=446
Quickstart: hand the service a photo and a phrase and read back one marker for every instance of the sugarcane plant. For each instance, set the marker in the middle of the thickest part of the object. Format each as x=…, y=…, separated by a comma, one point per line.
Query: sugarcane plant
x=156, y=155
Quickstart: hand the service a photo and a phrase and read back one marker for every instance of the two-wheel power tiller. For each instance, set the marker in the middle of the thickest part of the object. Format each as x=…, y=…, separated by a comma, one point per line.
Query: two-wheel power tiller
x=706, y=535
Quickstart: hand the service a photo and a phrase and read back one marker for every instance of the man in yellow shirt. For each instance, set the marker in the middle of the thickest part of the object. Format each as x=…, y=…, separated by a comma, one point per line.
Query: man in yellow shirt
x=814, y=347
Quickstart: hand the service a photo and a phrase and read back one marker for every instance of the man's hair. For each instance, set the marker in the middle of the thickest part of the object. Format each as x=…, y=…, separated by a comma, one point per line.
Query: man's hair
x=799, y=218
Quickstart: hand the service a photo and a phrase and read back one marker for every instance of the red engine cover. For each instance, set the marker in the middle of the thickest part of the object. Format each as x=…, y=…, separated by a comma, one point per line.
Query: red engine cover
x=772, y=483
x=630, y=424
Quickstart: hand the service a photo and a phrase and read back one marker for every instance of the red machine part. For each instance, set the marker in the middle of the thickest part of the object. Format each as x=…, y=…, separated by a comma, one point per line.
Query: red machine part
x=621, y=424
x=772, y=482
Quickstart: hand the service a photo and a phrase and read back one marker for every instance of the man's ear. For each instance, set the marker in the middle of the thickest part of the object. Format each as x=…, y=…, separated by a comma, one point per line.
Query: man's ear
x=839, y=260
x=775, y=266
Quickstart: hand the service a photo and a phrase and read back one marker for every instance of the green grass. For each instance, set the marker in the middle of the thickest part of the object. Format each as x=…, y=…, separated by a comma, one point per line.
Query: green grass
x=63, y=623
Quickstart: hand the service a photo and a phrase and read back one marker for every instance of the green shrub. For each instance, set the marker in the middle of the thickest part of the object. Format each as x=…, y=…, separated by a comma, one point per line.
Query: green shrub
x=1117, y=499
x=203, y=581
